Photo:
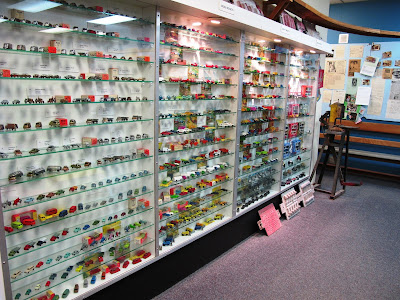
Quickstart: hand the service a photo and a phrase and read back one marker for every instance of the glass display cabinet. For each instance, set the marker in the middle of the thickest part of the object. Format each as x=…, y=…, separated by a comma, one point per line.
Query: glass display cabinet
x=77, y=145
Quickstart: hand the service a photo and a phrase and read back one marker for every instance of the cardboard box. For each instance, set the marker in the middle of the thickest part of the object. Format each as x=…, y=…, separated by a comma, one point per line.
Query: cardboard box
x=56, y=44
x=51, y=49
x=113, y=72
x=105, y=77
x=143, y=58
x=90, y=97
x=63, y=99
x=82, y=76
x=96, y=53
x=63, y=122
x=176, y=147
x=5, y=73
x=17, y=14
x=89, y=141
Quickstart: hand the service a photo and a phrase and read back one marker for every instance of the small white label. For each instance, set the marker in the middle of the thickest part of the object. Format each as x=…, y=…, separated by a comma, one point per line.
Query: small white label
x=201, y=121
x=4, y=65
x=114, y=49
x=81, y=45
x=226, y=7
x=318, y=43
x=38, y=91
x=41, y=65
x=285, y=30
x=135, y=89
x=51, y=113
x=11, y=148
x=125, y=71
x=105, y=111
x=30, y=168
x=42, y=144
x=103, y=91
x=68, y=68
x=96, y=67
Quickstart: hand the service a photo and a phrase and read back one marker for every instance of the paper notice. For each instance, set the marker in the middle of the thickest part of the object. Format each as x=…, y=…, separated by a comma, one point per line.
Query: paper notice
x=378, y=73
x=352, y=84
x=338, y=96
x=369, y=66
x=334, y=81
x=335, y=66
x=378, y=91
x=339, y=51
x=363, y=95
x=326, y=96
x=356, y=51
x=393, y=109
x=395, y=90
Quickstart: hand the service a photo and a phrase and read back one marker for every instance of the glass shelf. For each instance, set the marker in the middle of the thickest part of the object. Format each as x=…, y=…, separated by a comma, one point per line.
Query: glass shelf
x=75, y=103
x=61, y=149
x=263, y=48
x=195, y=193
x=260, y=60
x=196, y=162
x=259, y=157
x=194, y=178
x=74, y=234
x=295, y=174
x=263, y=134
x=201, y=115
x=263, y=86
x=24, y=52
x=254, y=72
x=202, y=82
x=265, y=98
x=176, y=216
x=276, y=109
x=299, y=136
x=86, y=34
x=259, y=145
x=290, y=119
x=296, y=164
x=206, y=130
x=71, y=215
x=261, y=122
x=69, y=127
x=81, y=80
x=197, y=50
x=198, y=218
x=197, y=147
x=87, y=189
x=5, y=182
x=299, y=97
x=261, y=169
x=202, y=67
x=59, y=274
x=77, y=247
x=200, y=34
x=216, y=99
x=295, y=155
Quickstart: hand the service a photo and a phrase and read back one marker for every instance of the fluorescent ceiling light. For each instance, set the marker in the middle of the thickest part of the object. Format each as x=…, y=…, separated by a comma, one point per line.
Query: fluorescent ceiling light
x=34, y=6
x=312, y=51
x=56, y=30
x=261, y=41
x=277, y=40
x=299, y=51
x=196, y=24
x=111, y=20
x=215, y=22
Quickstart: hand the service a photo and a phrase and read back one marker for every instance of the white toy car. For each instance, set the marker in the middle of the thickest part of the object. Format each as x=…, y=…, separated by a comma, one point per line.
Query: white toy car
x=184, y=130
x=226, y=124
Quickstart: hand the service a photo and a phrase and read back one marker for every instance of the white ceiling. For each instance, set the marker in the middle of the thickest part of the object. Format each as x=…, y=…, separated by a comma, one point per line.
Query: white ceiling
x=345, y=1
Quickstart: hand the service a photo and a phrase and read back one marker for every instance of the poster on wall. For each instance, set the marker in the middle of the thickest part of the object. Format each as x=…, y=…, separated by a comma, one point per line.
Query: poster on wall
x=369, y=66
x=386, y=63
x=378, y=91
x=376, y=47
x=396, y=74
x=339, y=51
x=335, y=74
x=393, y=109
x=338, y=96
x=395, y=90
x=352, y=85
x=356, y=51
x=363, y=95
x=397, y=63
x=387, y=54
x=354, y=66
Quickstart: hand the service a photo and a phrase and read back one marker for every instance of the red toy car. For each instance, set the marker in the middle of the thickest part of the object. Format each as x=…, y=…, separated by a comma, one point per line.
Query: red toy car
x=136, y=260
x=146, y=255
x=72, y=209
x=39, y=264
x=8, y=229
x=126, y=264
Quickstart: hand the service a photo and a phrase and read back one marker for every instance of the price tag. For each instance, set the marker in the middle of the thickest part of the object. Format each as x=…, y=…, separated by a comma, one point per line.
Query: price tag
x=38, y=91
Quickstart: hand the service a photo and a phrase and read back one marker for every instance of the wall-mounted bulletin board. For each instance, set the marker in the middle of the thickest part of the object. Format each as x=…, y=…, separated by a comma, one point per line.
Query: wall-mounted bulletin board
x=366, y=79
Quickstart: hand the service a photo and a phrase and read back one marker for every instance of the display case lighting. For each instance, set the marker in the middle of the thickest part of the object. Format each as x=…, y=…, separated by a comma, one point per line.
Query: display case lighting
x=56, y=30
x=196, y=24
x=261, y=41
x=215, y=21
x=277, y=40
x=112, y=20
x=312, y=51
x=34, y=6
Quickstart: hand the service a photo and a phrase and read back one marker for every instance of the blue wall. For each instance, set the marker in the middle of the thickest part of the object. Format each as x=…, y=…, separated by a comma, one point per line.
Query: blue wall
x=378, y=14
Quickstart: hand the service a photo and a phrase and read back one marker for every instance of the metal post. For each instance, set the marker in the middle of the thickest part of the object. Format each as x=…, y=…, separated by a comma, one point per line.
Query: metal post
x=239, y=118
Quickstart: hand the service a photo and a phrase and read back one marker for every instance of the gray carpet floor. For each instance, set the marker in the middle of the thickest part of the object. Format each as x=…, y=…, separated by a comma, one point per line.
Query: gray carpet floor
x=348, y=248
